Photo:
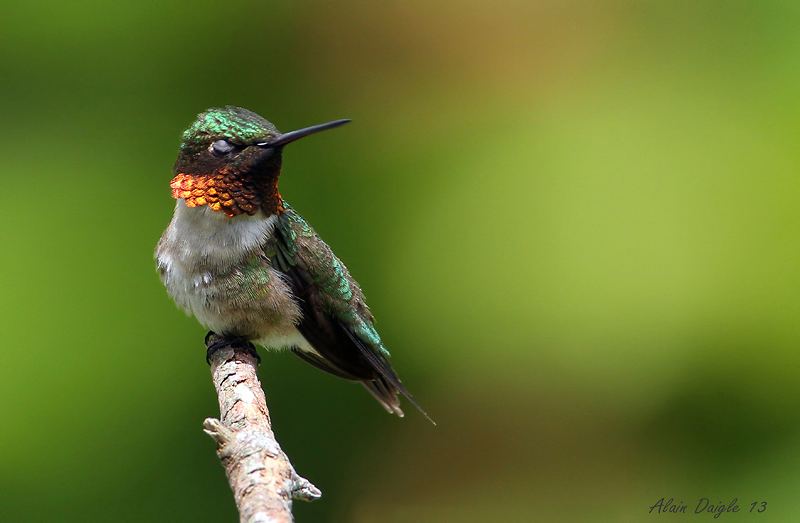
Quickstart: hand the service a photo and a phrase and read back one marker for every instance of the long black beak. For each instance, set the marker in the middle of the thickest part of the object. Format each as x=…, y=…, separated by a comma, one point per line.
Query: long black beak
x=296, y=135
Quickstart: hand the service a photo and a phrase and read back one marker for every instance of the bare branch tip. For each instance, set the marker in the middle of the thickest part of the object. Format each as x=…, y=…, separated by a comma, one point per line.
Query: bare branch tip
x=304, y=490
x=214, y=428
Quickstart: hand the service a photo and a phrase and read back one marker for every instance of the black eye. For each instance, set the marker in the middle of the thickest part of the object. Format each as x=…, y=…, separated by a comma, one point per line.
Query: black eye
x=221, y=147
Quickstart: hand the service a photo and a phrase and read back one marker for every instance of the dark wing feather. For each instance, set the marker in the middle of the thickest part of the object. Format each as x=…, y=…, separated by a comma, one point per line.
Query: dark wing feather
x=339, y=349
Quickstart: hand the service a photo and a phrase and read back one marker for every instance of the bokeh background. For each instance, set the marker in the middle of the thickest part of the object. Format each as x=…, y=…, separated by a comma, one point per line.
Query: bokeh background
x=576, y=222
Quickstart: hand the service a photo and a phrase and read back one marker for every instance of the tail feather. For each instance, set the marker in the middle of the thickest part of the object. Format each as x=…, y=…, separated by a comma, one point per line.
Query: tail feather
x=385, y=394
x=386, y=388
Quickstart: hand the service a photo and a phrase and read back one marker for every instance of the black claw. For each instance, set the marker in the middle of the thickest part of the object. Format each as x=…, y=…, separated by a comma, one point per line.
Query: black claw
x=251, y=350
x=234, y=342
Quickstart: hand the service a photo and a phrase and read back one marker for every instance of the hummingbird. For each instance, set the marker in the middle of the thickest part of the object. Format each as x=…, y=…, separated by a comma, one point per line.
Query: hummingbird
x=240, y=259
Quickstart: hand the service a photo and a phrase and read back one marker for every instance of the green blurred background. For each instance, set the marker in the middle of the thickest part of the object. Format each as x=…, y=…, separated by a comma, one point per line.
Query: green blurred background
x=576, y=222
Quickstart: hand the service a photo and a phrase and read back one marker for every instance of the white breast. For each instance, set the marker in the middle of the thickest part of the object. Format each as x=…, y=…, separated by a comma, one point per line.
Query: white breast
x=201, y=236
x=197, y=254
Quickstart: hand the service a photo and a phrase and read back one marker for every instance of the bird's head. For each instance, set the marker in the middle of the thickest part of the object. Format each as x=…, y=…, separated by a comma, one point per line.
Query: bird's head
x=230, y=160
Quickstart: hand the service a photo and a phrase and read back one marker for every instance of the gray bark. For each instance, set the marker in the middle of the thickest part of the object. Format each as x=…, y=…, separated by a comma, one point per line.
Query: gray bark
x=260, y=474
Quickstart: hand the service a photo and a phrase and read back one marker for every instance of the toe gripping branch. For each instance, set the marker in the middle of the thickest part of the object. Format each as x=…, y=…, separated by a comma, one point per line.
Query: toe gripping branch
x=215, y=342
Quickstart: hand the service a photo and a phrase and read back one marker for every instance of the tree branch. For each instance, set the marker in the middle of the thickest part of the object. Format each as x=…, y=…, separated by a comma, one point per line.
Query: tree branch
x=260, y=474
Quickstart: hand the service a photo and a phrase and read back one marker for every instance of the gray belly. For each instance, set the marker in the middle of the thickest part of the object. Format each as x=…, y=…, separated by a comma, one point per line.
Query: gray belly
x=214, y=268
x=250, y=300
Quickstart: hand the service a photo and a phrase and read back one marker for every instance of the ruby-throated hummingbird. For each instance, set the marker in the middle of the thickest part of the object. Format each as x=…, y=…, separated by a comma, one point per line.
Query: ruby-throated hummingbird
x=250, y=268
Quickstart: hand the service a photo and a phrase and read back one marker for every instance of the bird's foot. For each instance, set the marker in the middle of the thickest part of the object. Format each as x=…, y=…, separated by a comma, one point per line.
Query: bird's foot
x=215, y=342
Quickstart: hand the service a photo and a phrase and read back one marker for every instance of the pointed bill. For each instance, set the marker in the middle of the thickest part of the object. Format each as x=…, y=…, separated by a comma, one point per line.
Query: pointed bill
x=302, y=133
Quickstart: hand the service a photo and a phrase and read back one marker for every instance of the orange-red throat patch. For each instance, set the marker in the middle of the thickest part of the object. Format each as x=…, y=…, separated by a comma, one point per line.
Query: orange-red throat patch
x=225, y=191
